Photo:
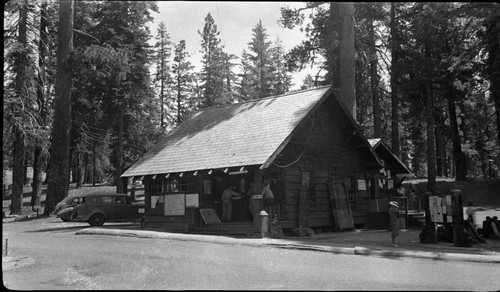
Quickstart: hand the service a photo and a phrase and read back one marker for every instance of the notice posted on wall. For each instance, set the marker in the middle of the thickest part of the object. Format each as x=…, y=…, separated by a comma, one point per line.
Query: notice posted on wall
x=192, y=200
x=361, y=185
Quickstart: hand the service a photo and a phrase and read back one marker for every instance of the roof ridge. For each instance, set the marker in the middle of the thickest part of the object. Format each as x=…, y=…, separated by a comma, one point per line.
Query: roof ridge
x=264, y=98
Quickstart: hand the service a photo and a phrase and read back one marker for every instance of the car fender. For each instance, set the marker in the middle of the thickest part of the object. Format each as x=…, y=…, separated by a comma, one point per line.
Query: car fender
x=65, y=212
x=97, y=211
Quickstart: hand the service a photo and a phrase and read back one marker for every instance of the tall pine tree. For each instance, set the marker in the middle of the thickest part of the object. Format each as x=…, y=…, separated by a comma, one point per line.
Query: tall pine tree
x=182, y=82
x=259, y=50
x=162, y=60
x=211, y=73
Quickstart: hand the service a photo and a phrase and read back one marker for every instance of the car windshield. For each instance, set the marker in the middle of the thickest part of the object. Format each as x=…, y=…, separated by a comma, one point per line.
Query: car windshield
x=78, y=200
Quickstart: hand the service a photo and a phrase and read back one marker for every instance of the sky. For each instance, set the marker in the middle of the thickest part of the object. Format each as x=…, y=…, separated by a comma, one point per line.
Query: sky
x=234, y=20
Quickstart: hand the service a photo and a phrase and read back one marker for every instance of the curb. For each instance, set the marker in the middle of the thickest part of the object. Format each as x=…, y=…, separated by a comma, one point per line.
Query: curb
x=280, y=243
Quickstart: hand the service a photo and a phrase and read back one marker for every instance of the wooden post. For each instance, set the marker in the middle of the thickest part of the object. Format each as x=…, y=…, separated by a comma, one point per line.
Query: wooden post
x=264, y=219
x=458, y=216
x=428, y=235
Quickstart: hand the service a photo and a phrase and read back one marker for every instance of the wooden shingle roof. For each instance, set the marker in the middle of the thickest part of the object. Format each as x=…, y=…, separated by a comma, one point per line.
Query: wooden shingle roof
x=235, y=135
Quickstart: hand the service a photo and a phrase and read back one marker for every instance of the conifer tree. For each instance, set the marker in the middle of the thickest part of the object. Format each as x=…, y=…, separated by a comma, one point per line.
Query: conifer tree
x=282, y=81
x=259, y=49
x=162, y=59
x=244, y=88
x=211, y=80
x=182, y=81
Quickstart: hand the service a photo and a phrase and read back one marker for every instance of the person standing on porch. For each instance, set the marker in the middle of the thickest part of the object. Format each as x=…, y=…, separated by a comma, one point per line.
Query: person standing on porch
x=394, y=221
x=250, y=194
x=266, y=192
x=227, y=202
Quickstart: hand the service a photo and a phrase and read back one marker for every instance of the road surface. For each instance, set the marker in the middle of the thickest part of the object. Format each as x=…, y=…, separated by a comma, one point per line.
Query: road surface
x=63, y=260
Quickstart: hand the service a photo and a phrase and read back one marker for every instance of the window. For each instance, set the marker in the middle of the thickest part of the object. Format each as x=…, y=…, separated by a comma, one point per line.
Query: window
x=106, y=200
x=174, y=185
x=121, y=200
x=78, y=200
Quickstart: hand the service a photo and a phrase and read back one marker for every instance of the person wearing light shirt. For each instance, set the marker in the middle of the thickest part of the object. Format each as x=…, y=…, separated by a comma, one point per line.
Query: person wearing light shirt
x=266, y=192
x=228, y=196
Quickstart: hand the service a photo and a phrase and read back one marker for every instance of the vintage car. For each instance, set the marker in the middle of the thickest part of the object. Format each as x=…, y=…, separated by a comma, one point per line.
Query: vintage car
x=99, y=208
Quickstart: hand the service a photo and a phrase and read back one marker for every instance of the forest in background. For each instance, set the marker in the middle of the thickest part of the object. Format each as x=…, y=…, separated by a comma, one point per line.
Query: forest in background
x=427, y=82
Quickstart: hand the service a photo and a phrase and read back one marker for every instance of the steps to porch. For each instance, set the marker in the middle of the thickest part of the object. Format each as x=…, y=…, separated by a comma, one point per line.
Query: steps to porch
x=228, y=228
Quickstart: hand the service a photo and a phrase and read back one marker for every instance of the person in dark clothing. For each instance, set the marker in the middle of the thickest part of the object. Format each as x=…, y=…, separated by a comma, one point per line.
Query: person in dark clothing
x=394, y=221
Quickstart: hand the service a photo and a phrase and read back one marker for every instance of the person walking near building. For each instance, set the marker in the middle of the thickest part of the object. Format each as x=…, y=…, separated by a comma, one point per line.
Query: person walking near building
x=394, y=221
x=227, y=202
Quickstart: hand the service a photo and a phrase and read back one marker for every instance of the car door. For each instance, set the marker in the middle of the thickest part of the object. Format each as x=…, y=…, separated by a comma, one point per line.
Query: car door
x=124, y=210
x=107, y=206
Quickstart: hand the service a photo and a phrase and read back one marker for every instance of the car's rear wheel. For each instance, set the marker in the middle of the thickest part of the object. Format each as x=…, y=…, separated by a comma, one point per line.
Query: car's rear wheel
x=97, y=220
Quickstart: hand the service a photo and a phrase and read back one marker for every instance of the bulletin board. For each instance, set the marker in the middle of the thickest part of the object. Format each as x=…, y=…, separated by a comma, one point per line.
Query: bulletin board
x=440, y=208
x=175, y=205
x=192, y=200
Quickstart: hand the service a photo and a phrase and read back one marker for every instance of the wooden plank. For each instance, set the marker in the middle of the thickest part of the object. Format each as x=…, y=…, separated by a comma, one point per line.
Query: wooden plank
x=209, y=216
x=341, y=210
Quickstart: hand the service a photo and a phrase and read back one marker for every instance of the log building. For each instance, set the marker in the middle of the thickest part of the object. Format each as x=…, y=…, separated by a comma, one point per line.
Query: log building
x=320, y=165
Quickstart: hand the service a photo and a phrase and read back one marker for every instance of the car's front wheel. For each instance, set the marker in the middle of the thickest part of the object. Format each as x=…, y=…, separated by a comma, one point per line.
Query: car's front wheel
x=97, y=220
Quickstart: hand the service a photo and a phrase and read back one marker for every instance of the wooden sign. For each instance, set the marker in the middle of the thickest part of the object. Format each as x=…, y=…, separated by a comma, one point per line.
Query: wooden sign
x=209, y=216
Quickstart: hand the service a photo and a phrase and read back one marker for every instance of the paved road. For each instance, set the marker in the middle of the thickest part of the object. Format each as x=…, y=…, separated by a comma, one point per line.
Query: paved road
x=63, y=260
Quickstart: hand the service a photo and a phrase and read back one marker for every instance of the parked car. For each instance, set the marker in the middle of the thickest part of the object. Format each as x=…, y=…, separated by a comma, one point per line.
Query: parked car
x=66, y=207
x=100, y=208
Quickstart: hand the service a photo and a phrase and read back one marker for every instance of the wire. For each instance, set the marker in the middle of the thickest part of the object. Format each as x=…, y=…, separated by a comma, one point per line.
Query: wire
x=303, y=150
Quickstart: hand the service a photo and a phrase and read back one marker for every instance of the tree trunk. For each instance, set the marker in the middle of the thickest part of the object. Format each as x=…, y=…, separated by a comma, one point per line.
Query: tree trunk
x=39, y=159
x=493, y=40
x=440, y=146
x=459, y=158
x=79, y=170
x=18, y=171
x=38, y=162
x=162, y=86
x=394, y=82
x=347, y=64
x=429, y=102
x=118, y=150
x=58, y=185
x=179, y=97
x=374, y=80
x=332, y=55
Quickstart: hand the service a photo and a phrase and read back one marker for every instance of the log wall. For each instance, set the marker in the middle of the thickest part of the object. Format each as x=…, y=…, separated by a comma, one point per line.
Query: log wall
x=325, y=141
